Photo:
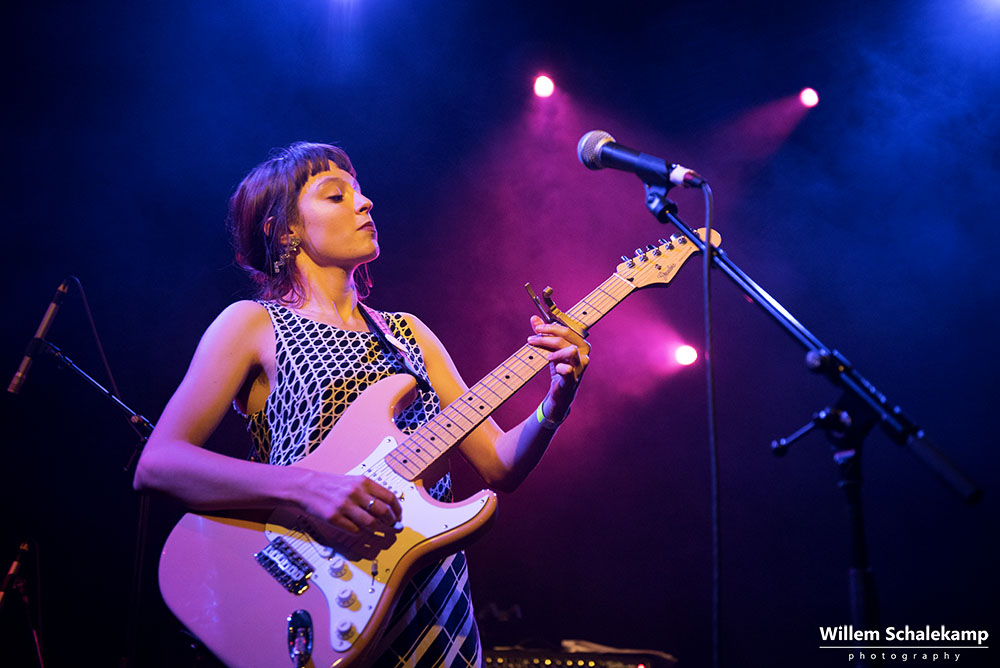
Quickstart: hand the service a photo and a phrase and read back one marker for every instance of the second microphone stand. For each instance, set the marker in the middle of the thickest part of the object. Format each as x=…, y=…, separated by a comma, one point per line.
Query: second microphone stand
x=859, y=409
x=143, y=428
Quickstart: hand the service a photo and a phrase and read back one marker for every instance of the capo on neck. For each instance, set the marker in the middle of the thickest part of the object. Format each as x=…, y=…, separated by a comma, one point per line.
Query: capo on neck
x=551, y=313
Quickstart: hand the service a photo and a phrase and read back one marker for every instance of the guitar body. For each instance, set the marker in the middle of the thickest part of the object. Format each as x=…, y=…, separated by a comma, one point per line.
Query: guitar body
x=235, y=580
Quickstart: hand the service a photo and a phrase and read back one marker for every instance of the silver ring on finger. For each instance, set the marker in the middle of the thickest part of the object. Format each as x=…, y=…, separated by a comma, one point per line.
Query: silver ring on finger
x=371, y=504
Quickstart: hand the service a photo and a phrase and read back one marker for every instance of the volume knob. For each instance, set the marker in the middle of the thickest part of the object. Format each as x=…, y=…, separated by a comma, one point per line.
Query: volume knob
x=338, y=567
x=345, y=630
x=346, y=598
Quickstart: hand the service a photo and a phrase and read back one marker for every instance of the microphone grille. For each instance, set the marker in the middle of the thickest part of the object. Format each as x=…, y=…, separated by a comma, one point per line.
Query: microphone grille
x=588, y=149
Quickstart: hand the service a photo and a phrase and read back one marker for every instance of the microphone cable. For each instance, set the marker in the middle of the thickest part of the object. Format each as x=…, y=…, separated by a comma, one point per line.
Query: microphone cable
x=97, y=338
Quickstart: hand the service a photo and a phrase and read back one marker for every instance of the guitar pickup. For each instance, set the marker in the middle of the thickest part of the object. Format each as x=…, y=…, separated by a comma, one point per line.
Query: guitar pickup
x=285, y=565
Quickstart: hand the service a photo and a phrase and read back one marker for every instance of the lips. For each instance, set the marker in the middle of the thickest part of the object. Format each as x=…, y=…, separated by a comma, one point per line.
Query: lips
x=368, y=226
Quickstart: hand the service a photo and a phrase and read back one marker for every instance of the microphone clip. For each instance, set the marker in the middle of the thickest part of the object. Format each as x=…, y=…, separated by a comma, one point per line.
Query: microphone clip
x=658, y=202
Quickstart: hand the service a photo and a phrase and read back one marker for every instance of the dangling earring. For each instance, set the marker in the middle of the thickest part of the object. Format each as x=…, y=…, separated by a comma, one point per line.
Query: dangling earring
x=291, y=250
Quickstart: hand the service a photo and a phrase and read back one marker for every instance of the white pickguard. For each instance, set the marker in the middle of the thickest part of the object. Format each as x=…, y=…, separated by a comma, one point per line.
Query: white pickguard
x=351, y=589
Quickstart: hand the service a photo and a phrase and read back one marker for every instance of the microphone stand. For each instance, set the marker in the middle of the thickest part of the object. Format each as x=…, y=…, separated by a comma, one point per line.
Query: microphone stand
x=859, y=409
x=143, y=428
x=14, y=582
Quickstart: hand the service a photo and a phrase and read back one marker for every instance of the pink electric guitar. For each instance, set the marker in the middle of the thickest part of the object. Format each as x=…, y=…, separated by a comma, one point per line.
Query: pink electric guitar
x=273, y=588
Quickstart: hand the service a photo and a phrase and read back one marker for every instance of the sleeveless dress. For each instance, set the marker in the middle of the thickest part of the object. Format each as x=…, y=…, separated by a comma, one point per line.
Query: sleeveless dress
x=321, y=370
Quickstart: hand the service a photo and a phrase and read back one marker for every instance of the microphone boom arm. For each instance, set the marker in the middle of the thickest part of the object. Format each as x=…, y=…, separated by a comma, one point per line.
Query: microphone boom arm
x=139, y=424
x=825, y=360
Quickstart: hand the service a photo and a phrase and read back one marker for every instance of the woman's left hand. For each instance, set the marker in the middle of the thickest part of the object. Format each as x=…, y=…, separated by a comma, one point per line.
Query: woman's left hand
x=568, y=358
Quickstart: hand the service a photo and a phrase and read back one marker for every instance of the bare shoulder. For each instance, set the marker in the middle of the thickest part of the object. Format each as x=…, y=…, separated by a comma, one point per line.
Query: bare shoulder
x=412, y=320
x=243, y=315
x=441, y=369
x=426, y=339
x=243, y=329
x=240, y=320
x=228, y=356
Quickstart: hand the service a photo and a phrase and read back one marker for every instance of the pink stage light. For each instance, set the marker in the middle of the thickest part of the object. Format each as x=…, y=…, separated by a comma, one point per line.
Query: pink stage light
x=544, y=87
x=685, y=355
x=809, y=97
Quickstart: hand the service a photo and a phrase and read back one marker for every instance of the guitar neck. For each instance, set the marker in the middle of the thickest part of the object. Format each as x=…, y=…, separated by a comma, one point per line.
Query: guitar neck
x=437, y=436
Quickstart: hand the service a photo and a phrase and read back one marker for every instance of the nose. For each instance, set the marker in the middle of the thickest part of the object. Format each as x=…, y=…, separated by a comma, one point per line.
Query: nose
x=362, y=203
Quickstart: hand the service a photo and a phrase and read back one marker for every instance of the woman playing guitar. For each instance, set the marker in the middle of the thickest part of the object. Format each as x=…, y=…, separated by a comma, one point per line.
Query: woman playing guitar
x=294, y=359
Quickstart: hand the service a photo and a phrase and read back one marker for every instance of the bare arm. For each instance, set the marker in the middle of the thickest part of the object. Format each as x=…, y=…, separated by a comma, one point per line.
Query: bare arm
x=504, y=459
x=238, y=346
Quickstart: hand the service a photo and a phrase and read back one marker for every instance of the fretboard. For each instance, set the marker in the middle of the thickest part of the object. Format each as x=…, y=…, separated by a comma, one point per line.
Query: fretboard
x=437, y=436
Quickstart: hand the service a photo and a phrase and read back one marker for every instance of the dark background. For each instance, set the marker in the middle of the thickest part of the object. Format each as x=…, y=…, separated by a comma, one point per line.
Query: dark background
x=872, y=218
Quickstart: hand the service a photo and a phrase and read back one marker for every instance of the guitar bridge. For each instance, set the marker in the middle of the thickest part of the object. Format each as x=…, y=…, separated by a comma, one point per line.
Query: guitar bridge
x=285, y=565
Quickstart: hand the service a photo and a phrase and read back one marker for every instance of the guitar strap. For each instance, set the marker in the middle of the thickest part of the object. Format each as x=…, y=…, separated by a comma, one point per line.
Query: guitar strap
x=392, y=345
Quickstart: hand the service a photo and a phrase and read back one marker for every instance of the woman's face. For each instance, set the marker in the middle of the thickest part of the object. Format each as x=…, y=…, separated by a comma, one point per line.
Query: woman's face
x=335, y=223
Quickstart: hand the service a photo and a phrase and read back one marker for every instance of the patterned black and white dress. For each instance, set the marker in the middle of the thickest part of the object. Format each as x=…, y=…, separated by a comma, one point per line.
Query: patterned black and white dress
x=321, y=370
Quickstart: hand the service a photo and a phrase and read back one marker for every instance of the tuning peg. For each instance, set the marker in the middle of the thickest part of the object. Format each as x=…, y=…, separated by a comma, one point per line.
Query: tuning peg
x=628, y=261
x=664, y=242
x=653, y=249
x=641, y=254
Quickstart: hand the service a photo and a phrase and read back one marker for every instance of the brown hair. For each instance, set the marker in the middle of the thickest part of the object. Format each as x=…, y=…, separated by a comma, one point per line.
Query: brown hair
x=264, y=207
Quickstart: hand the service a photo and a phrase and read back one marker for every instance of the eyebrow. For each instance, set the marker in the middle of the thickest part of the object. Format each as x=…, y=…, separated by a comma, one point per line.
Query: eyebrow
x=327, y=179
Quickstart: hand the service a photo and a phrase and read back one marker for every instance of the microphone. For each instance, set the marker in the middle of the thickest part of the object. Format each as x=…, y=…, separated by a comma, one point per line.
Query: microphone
x=598, y=150
x=33, y=346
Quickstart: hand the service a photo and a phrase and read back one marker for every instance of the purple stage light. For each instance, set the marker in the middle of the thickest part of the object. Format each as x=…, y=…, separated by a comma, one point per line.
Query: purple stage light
x=685, y=355
x=544, y=86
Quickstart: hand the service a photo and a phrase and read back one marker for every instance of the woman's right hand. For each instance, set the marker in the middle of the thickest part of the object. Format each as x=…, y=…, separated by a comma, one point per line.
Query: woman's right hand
x=351, y=503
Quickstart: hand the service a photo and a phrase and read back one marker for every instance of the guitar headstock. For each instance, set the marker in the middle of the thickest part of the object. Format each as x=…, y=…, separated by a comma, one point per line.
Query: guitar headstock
x=659, y=264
